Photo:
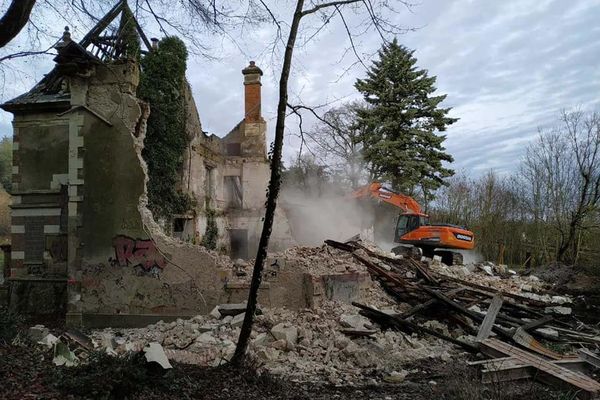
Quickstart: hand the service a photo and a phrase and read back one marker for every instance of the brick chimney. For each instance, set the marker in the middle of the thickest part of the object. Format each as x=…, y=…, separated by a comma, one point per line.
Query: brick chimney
x=252, y=86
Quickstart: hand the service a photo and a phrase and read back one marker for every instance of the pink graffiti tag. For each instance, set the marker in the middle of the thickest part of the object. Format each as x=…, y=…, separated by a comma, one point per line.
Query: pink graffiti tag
x=138, y=252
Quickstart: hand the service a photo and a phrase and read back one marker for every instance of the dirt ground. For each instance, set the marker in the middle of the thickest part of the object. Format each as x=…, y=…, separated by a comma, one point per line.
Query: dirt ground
x=27, y=372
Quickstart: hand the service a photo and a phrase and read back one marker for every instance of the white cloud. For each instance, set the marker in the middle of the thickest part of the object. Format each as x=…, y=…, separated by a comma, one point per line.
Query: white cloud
x=508, y=67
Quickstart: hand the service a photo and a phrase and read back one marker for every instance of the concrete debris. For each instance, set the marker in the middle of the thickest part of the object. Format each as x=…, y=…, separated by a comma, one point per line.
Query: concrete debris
x=396, y=376
x=155, y=354
x=286, y=332
x=49, y=340
x=500, y=278
x=37, y=333
x=304, y=345
x=558, y=310
x=215, y=313
x=356, y=321
x=316, y=261
x=329, y=340
x=63, y=355
x=487, y=269
x=238, y=320
x=561, y=299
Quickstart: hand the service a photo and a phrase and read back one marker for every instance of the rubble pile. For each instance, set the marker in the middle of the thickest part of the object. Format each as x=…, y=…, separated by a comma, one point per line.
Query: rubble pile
x=323, y=260
x=320, y=260
x=413, y=309
x=333, y=343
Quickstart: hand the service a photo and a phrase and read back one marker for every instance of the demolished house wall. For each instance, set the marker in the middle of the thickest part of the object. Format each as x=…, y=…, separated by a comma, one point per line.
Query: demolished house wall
x=123, y=269
x=228, y=177
x=114, y=264
x=131, y=272
x=39, y=210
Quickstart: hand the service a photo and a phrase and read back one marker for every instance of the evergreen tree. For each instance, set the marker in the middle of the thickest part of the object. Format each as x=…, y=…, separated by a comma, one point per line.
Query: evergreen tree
x=401, y=121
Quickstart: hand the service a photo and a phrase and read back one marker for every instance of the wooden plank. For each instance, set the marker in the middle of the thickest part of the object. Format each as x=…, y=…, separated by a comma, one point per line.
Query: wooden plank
x=536, y=323
x=507, y=373
x=547, y=370
x=589, y=357
x=492, y=360
x=574, y=364
x=509, y=369
x=405, y=325
x=526, y=340
x=423, y=306
x=488, y=322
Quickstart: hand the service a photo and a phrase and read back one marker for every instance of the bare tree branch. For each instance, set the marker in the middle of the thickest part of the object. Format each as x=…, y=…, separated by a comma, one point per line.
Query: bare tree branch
x=329, y=4
x=14, y=20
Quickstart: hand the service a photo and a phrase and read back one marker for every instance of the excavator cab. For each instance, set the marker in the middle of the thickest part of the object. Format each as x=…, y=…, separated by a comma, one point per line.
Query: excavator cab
x=409, y=222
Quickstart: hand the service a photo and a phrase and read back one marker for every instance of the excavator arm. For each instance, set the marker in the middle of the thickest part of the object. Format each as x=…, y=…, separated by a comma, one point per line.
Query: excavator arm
x=376, y=191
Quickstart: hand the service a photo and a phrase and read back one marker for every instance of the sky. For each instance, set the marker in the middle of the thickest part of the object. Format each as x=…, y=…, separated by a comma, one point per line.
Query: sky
x=508, y=68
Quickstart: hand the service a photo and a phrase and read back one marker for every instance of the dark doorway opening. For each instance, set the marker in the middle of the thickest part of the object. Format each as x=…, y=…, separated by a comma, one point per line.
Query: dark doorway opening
x=238, y=239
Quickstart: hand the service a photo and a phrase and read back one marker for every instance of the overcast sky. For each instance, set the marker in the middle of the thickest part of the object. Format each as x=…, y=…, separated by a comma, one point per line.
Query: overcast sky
x=508, y=67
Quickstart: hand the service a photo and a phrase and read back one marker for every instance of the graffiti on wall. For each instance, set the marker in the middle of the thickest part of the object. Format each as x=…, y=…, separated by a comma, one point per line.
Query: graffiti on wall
x=140, y=253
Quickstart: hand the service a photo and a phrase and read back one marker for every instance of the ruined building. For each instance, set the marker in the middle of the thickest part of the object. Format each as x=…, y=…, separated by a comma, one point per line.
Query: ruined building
x=229, y=176
x=83, y=239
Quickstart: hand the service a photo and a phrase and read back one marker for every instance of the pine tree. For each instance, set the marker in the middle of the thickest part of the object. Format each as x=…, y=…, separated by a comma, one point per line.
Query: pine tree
x=401, y=121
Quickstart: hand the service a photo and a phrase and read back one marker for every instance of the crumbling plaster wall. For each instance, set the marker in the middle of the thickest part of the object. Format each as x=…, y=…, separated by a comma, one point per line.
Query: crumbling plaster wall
x=128, y=266
x=129, y=269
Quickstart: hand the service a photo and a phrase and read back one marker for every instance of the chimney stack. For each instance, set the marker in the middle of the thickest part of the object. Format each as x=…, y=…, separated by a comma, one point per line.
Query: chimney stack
x=252, y=86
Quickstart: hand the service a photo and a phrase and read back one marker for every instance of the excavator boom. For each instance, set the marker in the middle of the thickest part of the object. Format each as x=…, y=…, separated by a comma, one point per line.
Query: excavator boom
x=377, y=191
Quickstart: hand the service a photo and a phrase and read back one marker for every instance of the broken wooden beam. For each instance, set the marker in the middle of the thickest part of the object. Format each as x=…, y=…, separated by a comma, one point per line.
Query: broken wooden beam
x=429, y=303
x=537, y=323
x=490, y=317
x=404, y=325
x=589, y=357
x=491, y=291
x=526, y=340
x=546, y=371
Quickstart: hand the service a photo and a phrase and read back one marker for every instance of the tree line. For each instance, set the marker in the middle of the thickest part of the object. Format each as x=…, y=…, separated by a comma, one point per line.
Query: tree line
x=545, y=210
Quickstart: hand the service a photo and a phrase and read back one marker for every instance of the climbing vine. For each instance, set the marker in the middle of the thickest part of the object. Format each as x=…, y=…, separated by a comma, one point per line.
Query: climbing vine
x=212, y=231
x=162, y=85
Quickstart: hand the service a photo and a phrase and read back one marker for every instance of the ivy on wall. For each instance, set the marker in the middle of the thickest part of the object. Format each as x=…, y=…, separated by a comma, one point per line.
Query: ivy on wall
x=162, y=85
x=212, y=231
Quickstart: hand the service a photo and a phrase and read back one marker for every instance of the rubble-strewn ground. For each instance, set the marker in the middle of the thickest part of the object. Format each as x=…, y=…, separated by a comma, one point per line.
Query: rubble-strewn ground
x=326, y=352
x=26, y=372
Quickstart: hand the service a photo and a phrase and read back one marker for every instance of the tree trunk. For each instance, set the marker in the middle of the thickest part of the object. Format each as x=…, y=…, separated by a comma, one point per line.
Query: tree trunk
x=274, y=184
x=567, y=243
x=14, y=20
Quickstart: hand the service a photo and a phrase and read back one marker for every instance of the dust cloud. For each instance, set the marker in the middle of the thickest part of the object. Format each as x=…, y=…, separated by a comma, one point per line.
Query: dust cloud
x=315, y=218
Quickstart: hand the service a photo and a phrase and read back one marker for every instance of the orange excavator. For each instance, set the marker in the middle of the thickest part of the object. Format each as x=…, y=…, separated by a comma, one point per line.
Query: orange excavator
x=414, y=231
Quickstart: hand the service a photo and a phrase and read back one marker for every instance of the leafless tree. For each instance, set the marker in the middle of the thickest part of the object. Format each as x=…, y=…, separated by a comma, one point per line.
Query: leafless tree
x=563, y=170
x=376, y=17
x=336, y=140
x=549, y=207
